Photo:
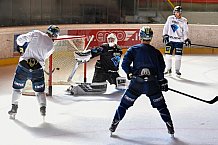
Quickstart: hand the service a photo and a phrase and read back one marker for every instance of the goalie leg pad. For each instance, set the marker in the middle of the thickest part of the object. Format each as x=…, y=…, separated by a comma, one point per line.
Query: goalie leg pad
x=88, y=88
x=99, y=75
x=111, y=77
x=121, y=83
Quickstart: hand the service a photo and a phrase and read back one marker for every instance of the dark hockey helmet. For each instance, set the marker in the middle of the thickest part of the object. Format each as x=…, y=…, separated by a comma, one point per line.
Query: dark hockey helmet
x=53, y=31
x=177, y=9
x=146, y=33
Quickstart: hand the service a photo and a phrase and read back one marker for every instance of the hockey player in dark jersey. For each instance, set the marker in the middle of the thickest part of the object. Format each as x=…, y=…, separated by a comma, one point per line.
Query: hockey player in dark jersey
x=144, y=66
x=106, y=68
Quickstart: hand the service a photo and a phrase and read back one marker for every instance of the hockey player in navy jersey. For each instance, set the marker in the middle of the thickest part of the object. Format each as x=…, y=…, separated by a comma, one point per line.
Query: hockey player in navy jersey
x=175, y=33
x=106, y=68
x=144, y=66
x=34, y=47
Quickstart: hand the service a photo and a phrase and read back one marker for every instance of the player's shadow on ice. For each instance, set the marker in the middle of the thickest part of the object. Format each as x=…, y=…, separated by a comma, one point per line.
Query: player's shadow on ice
x=173, y=141
x=183, y=80
x=46, y=130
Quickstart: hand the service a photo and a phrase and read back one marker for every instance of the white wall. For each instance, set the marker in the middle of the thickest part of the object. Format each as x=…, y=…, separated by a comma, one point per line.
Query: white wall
x=200, y=34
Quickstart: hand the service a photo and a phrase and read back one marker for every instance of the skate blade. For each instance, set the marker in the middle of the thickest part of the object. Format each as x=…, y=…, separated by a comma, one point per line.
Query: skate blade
x=178, y=76
x=111, y=134
x=168, y=74
x=172, y=136
x=12, y=116
x=43, y=118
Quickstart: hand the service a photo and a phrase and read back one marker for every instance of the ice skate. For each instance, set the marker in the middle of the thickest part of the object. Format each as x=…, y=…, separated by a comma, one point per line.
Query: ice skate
x=43, y=112
x=170, y=128
x=113, y=126
x=13, y=111
x=168, y=72
x=178, y=74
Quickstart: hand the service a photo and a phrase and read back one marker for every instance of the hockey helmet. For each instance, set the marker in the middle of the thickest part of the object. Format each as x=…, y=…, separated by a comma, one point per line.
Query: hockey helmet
x=53, y=31
x=177, y=9
x=111, y=39
x=146, y=33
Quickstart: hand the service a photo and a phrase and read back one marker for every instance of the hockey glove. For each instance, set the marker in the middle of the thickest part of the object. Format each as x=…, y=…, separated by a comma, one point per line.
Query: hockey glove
x=21, y=49
x=129, y=76
x=188, y=42
x=163, y=85
x=83, y=56
x=165, y=39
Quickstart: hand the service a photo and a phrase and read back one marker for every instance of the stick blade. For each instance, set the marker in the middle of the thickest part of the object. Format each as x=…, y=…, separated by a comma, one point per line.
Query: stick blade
x=214, y=100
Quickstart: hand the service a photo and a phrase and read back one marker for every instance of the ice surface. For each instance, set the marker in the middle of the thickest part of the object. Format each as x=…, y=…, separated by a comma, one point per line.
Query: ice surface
x=84, y=120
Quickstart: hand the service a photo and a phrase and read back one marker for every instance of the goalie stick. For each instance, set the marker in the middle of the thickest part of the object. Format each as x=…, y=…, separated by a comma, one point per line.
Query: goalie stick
x=77, y=63
x=196, y=98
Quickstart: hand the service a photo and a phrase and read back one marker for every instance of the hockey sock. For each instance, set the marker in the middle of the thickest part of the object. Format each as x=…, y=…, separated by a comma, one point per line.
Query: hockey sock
x=165, y=114
x=120, y=112
x=16, y=95
x=178, y=62
x=168, y=61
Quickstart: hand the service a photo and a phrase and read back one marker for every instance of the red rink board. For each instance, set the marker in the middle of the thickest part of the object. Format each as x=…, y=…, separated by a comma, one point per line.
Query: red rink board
x=197, y=1
x=126, y=37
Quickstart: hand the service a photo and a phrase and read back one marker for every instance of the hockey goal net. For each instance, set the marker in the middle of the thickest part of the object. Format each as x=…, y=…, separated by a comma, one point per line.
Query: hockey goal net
x=59, y=65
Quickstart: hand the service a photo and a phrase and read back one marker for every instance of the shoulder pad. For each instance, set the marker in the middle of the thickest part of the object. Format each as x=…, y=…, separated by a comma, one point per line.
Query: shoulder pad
x=184, y=19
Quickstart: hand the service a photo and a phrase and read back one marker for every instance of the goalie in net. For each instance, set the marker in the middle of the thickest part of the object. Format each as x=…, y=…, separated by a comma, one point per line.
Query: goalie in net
x=106, y=68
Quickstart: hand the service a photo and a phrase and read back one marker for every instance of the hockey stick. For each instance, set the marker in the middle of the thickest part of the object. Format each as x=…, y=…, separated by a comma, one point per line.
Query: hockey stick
x=77, y=63
x=196, y=98
x=204, y=45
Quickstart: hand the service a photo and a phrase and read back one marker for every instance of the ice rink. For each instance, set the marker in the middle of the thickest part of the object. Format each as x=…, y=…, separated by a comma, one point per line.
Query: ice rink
x=84, y=120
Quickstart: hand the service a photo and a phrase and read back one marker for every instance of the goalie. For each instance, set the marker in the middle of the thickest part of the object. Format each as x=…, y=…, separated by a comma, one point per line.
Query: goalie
x=106, y=68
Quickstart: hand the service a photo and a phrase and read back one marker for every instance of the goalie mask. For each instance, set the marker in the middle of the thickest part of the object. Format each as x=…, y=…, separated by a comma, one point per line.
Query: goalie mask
x=145, y=33
x=53, y=31
x=112, y=40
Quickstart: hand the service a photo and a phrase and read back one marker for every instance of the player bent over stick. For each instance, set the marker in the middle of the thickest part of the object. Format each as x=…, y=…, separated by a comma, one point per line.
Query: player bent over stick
x=144, y=66
x=31, y=65
x=107, y=67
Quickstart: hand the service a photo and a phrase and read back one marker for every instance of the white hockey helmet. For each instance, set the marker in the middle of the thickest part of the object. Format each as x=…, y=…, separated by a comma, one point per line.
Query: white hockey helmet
x=177, y=9
x=112, y=39
x=53, y=31
x=146, y=33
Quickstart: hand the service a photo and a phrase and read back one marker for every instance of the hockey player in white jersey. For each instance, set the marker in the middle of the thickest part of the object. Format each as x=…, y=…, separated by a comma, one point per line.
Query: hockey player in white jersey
x=175, y=34
x=31, y=65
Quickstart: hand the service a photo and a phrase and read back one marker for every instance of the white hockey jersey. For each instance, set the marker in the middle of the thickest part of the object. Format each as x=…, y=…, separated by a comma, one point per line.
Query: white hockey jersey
x=177, y=29
x=40, y=46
